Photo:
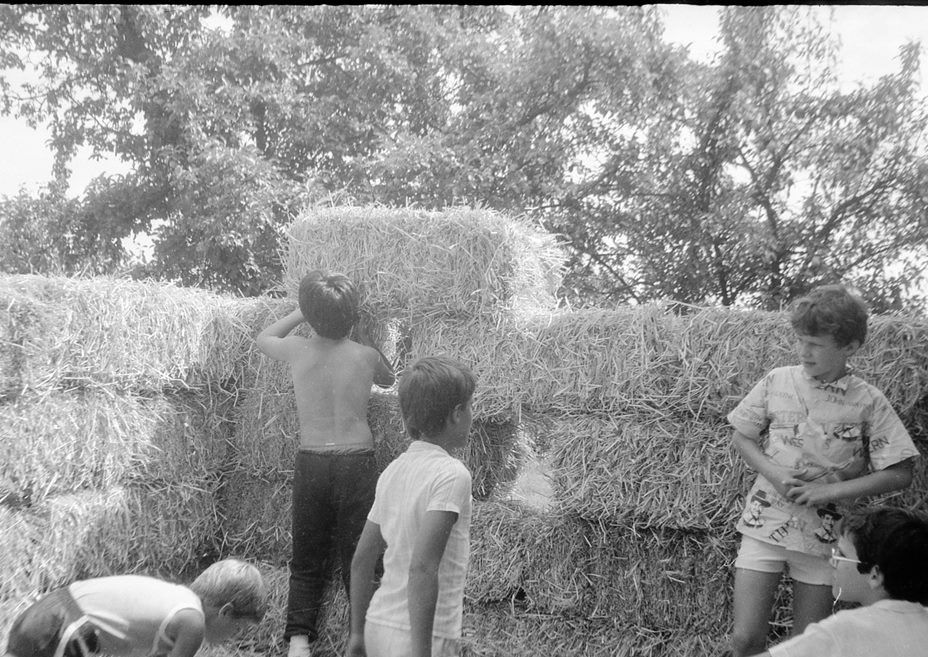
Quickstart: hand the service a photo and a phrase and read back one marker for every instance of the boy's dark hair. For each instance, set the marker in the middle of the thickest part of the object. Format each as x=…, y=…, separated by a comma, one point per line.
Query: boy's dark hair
x=329, y=303
x=429, y=390
x=831, y=310
x=895, y=540
x=236, y=582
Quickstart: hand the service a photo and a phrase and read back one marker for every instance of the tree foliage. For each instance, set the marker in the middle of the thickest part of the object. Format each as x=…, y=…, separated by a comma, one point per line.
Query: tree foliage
x=746, y=180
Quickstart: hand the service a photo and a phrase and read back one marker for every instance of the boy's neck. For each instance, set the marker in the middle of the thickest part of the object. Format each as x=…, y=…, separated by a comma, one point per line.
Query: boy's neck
x=441, y=440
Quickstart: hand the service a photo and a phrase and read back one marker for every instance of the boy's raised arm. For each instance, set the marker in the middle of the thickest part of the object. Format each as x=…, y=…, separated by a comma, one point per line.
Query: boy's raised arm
x=423, y=577
x=272, y=340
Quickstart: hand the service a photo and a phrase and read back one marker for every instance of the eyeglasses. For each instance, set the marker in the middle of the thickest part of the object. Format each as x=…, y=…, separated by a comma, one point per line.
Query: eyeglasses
x=836, y=556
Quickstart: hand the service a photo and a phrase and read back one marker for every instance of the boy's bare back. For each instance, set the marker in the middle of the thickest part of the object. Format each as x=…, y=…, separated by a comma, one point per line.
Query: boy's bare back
x=332, y=381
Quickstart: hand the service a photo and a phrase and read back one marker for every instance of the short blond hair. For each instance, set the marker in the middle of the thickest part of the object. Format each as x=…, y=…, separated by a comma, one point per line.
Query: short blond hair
x=231, y=581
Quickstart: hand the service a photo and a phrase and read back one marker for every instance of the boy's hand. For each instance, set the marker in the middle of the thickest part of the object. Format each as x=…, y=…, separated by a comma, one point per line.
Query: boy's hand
x=810, y=493
x=785, y=480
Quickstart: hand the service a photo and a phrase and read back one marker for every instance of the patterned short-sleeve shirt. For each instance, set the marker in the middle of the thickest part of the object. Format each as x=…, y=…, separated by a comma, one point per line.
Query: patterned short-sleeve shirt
x=834, y=431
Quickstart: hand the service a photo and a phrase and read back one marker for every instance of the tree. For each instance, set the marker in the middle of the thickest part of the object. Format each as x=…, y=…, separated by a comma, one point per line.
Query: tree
x=765, y=179
x=744, y=181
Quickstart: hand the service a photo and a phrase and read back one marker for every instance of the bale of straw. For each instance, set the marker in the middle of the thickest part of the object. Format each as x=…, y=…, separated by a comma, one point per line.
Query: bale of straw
x=255, y=516
x=599, y=361
x=518, y=554
x=723, y=352
x=895, y=360
x=493, y=351
x=58, y=442
x=159, y=530
x=644, y=470
x=100, y=331
x=664, y=580
x=459, y=262
x=502, y=630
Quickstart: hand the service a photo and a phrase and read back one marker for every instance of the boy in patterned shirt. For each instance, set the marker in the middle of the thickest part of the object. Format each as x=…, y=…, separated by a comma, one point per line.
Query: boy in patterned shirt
x=819, y=437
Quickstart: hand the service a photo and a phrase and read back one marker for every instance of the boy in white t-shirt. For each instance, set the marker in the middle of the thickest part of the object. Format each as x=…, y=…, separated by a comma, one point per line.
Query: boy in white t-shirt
x=880, y=561
x=420, y=522
x=138, y=616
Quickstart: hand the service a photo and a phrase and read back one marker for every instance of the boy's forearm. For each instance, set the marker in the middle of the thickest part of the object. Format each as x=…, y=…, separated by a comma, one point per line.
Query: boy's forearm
x=268, y=340
x=282, y=327
x=423, y=597
x=888, y=480
x=362, y=590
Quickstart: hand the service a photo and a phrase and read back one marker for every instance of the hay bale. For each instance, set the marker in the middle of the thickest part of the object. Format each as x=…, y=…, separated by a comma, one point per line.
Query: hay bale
x=601, y=361
x=160, y=530
x=539, y=559
x=60, y=442
x=502, y=630
x=255, y=515
x=61, y=332
x=895, y=360
x=664, y=580
x=644, y=470
x=723, y=352
x=458, y=262
x=493, y=351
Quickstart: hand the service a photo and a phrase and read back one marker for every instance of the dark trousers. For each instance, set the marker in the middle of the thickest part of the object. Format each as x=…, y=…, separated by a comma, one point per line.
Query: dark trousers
x=332, y=495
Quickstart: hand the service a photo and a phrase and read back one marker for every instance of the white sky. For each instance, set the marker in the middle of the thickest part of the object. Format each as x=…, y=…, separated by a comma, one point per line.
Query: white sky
x=870, y=35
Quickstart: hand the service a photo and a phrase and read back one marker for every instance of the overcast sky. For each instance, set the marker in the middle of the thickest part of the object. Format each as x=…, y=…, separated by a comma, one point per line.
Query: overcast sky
x=870, y=38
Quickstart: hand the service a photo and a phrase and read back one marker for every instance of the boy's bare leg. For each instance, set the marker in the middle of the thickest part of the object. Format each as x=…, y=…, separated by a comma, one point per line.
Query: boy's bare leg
x=753, y=602
x=811, y=603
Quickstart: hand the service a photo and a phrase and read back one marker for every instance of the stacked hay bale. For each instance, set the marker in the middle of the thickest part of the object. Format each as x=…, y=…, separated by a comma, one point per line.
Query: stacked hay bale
x=112, y=429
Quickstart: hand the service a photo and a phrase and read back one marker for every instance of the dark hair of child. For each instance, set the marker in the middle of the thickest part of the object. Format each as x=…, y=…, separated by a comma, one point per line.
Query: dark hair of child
x=329, y=304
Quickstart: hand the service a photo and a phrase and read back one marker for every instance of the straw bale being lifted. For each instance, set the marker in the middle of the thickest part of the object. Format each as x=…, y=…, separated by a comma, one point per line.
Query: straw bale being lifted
x=60, y=442
x=408, y=263
x=141, y=528
x=644, y=470
x=600, y=360
x=58, y=332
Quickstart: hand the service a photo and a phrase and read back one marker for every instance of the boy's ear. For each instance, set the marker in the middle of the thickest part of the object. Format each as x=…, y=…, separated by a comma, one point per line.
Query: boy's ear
x=875, y=578
x=226, y=609
x=851, y=347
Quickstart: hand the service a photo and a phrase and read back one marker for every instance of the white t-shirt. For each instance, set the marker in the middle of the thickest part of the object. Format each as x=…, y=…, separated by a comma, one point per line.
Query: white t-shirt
x=132, y=611
x=424, y=478
x=888, y=628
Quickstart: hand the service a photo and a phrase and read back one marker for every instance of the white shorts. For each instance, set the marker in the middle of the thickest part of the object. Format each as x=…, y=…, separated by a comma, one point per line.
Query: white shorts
x=768, y=558
x=383, y=641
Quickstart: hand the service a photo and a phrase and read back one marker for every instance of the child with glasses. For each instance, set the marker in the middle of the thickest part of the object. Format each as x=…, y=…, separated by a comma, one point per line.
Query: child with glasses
x=818, y=437
x=881, y=562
